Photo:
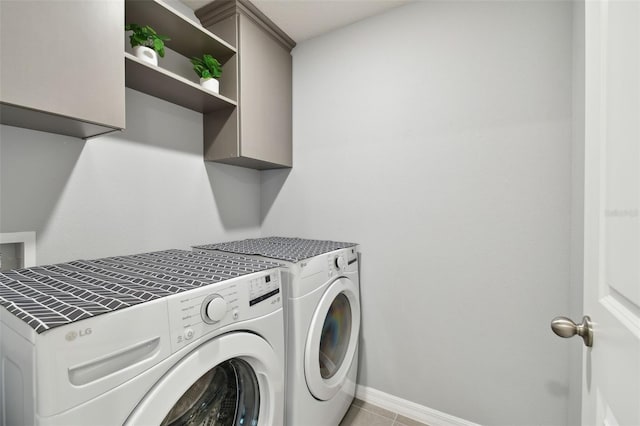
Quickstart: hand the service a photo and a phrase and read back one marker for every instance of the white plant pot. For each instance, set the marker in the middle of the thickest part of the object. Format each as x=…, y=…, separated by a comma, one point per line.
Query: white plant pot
x=210, y=84
x=146, y=54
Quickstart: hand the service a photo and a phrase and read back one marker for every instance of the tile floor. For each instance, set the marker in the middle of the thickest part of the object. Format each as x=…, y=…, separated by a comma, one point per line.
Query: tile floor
x=365, y=414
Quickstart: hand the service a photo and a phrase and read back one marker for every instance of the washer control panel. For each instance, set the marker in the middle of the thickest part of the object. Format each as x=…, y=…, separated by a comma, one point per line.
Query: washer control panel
x=262, y=288
x=214, y=308
x=197, y=312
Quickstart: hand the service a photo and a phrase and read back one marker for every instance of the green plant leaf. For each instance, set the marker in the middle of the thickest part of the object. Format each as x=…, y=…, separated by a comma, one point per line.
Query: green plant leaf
x=213, y=65
x=207, y=66
x=146, y=36
x=199, y=69
x=132, y=40
x=198, y=66
x=158, y=45
x=139, y=39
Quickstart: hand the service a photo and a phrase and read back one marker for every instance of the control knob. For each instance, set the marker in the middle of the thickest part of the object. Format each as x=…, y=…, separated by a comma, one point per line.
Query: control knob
x=340, y=262
x=216, y=309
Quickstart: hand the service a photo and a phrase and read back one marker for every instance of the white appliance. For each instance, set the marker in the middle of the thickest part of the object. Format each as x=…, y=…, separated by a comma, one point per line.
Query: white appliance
x=212, y=354
x=322, y=314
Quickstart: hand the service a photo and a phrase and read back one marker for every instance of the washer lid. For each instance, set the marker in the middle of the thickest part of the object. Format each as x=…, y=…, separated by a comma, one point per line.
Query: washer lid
x=332, y=339
x=234, y=379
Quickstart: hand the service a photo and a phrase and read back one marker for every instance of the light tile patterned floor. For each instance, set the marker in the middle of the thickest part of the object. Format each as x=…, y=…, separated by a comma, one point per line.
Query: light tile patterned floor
x=365, y=414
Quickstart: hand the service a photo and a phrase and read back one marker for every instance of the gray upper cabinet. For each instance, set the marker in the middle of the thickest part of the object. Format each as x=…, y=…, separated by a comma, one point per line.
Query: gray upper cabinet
x=256, y=134
x=61, y=67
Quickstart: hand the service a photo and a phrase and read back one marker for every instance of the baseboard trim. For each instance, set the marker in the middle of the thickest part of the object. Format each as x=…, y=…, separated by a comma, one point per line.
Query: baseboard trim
x=409, y=409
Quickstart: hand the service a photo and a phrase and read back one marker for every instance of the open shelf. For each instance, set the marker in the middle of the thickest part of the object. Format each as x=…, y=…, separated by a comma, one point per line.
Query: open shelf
x=187, y=38
x=163, y=84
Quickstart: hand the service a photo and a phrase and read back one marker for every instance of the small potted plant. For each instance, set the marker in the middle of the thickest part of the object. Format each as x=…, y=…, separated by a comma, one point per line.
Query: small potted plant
x=146, y=42
x=209, y=70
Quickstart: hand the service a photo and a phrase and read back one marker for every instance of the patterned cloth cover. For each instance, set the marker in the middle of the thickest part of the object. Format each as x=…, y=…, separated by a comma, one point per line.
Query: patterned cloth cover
x=281, y=248
x=53, y=295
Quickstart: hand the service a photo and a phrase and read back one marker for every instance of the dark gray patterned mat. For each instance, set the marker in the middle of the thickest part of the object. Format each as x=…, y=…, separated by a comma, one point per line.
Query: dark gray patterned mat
x=281, y=248
x=53, y=295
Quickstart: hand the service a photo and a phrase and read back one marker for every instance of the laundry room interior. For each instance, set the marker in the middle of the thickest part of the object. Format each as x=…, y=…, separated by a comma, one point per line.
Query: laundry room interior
x=444, y=138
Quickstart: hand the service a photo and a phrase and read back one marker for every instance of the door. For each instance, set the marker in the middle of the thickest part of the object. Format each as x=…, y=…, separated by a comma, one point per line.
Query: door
x=611, y=368
x=332, y=339
x=233, y=380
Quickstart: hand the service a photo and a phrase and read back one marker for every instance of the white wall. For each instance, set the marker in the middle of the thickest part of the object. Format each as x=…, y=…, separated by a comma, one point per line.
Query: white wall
x=438, y=136
x=146, y=188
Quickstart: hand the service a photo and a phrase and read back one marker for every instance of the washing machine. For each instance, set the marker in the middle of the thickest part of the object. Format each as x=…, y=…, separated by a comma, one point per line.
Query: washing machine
x=162, y=338
x=322, y=315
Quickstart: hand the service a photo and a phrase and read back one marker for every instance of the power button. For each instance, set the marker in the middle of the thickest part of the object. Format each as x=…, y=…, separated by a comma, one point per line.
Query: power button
x=188, y=334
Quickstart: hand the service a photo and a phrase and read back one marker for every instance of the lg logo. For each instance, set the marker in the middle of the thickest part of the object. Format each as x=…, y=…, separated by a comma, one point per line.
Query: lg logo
x=73, y=335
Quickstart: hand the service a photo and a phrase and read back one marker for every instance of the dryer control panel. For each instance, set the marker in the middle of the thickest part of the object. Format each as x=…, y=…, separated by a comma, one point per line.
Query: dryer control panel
x=198, y=312
x=342, y=261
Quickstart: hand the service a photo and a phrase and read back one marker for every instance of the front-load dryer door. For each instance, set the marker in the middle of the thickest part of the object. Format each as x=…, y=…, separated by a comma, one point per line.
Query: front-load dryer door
x=232, y=380
x=332, y=339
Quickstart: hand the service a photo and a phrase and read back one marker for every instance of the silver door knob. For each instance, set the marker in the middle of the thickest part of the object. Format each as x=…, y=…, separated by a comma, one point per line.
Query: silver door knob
x=564, y=327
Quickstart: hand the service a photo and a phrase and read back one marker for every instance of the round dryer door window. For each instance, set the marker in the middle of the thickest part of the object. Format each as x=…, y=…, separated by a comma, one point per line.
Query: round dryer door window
x=227, y=395
x=336, y=333
x=332, y=339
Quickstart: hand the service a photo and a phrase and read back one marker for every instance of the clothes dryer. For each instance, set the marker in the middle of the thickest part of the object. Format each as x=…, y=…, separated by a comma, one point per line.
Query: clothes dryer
x=322, y=314
x=163, y=338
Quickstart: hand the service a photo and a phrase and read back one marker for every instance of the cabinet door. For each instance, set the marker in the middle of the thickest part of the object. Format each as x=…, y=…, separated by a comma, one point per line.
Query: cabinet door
x=265, y=95
x=63, y=59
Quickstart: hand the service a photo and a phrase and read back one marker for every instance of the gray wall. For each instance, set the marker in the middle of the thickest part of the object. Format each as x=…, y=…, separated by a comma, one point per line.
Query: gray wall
x=577, y=212
x=438, y=136
x=146, y=188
